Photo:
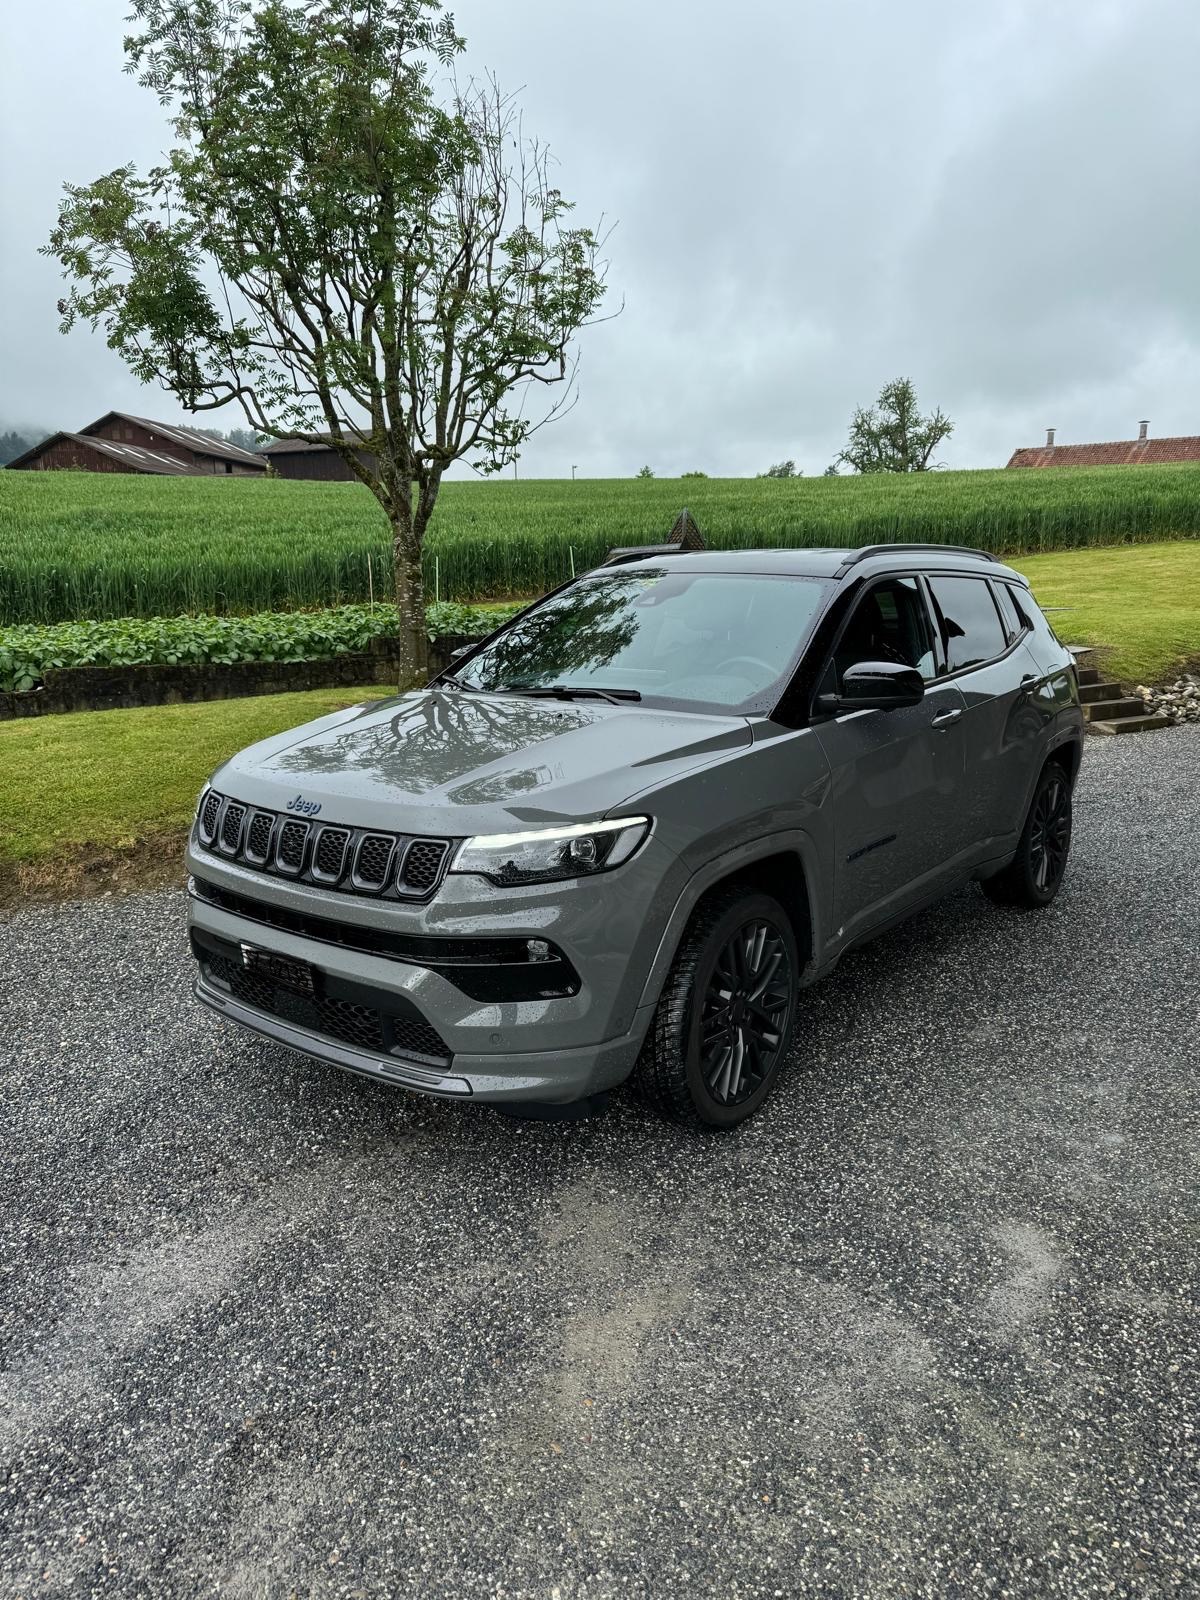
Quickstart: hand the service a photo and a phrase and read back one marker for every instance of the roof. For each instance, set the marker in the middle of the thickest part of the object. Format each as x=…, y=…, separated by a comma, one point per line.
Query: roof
x=289, y=447
x=131, y=456
x=191, y=438
x=819, y=563
x=1117, y=453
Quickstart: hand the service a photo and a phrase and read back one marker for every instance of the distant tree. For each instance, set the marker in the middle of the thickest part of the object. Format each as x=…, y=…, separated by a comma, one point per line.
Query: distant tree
x=645, y=472
x=13, y=445
x=831, y=471
x=245, y=439
x=782, y=469
x=338, y=247
x=693, y=474
x=893, y=436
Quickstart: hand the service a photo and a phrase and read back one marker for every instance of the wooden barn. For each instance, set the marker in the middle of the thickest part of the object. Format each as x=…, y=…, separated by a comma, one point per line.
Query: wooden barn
x=294, y=458
x=118, y=442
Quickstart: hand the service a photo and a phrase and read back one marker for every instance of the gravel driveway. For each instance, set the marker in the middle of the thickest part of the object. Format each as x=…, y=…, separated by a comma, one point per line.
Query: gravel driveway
x=928, y=1327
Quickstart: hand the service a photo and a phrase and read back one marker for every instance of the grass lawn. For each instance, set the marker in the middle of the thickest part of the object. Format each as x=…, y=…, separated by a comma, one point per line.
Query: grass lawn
x=1143, y=600
x=101, y=782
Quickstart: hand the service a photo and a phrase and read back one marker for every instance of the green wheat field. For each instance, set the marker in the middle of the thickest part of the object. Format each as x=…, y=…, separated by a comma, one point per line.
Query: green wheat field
x=94, y=545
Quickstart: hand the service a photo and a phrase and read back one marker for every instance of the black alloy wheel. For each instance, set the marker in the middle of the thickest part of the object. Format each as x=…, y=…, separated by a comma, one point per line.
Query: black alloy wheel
x=1050, y=832
x=723, y=1024
x=1035, y=874
x=745, y=1013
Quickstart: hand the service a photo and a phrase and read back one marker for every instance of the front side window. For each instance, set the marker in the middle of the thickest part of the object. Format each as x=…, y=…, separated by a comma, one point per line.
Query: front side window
x=972, y=632
x=701, y=638
x=889, y=623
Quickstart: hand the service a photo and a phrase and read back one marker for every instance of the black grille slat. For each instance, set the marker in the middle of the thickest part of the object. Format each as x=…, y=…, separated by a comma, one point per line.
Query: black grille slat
x=289, y=852
x=209, y=814
x=330, y=854
x=258, y=837
x=231, y=827
x=423, y=864
x=346, y=1020
x=373, y=861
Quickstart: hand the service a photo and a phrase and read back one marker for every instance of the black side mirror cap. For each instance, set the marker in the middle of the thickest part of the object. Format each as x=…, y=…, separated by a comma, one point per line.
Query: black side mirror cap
x=875, y=686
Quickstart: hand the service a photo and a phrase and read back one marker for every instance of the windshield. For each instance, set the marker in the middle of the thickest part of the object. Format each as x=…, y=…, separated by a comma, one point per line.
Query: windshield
x=709, y=638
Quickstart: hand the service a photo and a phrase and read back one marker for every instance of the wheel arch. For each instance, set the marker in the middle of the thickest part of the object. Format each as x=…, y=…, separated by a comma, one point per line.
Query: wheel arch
x=783, y=866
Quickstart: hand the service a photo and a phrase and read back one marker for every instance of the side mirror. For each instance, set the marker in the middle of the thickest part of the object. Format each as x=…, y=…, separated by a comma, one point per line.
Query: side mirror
x=876, y=686
x=463, y=650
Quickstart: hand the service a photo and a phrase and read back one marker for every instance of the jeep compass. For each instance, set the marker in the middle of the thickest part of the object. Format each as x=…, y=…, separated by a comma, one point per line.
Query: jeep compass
x=619, y=835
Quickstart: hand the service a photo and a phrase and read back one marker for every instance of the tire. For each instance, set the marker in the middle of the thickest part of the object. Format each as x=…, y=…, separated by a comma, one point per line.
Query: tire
x=1035, y=874
x=709, y=1063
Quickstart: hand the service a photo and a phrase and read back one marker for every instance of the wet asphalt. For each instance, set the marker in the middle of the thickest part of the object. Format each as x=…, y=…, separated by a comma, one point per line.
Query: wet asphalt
x=929, y=1326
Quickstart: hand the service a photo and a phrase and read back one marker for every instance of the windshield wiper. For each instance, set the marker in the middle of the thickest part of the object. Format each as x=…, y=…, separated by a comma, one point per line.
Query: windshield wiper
x=455, y=683
x=572, y=691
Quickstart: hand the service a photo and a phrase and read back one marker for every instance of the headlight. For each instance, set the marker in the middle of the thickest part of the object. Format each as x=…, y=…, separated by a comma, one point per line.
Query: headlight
x=576, y=851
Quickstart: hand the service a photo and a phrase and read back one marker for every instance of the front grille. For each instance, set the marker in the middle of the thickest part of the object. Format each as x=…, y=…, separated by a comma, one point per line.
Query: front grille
x=334, y=855
x=423, y=864
x=374, y=861
x=209, y=813
x=289, y=852
x=336, y=1017
x=258, y=838
x=231, y=828
x=329, y=854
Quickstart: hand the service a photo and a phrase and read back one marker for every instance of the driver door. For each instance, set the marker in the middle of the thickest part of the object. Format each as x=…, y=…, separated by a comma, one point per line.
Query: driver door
x=897, y=776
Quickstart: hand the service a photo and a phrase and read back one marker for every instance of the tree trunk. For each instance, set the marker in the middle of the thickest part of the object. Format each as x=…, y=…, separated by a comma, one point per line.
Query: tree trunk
x=410, y=602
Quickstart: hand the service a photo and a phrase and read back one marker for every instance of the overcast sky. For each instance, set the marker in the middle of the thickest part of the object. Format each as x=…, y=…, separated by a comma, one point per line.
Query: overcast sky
x=997, y=199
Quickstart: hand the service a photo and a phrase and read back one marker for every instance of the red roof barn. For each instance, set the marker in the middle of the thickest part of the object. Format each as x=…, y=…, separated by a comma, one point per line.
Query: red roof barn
x=1140, y=452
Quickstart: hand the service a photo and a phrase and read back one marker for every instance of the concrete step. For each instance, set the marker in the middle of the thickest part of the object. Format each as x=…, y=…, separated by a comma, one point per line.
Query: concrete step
x=1087, y=675
x=1142, y=724
x=1096, y=690
x=1112, y=710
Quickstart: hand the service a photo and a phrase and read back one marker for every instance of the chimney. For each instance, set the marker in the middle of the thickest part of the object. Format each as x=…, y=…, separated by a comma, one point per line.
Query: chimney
x=1049, y=438
x=1143, y=429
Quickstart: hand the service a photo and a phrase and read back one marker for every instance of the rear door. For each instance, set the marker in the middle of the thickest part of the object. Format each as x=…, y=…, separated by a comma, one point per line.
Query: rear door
x=997, y=676
x=896, y=775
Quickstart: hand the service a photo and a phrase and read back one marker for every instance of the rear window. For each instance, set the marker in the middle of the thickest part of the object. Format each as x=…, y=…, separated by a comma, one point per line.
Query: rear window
x=1014, y=619
x=970, y=624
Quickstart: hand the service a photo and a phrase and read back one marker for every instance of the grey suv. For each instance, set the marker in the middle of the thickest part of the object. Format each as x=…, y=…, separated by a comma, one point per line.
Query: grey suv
x=623, y=832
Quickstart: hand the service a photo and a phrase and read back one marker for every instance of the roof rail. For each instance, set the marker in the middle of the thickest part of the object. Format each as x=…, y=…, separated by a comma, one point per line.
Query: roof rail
x=866, y=551
x=640, y=552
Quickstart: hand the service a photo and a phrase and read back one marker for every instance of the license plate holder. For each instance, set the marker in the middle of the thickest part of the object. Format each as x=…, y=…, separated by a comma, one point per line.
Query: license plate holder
x=298, y=976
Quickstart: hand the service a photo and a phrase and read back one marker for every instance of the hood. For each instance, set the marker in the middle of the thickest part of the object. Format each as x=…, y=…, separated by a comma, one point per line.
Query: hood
x=447, y=763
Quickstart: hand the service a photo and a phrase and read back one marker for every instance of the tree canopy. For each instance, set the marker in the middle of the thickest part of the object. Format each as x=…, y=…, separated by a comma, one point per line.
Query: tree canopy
x=893, y=436
x=335, y=249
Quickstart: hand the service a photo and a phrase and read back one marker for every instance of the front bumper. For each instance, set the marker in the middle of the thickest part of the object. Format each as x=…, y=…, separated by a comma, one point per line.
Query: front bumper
x=553, y=1050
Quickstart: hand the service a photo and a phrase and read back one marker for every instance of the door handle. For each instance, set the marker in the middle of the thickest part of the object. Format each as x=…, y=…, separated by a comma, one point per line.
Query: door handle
x=945, y=718
x=1029, y=683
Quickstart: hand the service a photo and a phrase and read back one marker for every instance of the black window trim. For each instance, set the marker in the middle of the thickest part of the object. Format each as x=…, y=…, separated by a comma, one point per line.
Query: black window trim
x=947, y=676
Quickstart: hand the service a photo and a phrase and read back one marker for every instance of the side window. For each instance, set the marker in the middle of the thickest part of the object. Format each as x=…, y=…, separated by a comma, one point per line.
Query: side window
x=972, y=632
x=1015, y=622
x=888, y=623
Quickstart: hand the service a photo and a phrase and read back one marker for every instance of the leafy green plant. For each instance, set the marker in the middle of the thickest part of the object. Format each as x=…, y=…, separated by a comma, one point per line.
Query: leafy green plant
x=28, y=652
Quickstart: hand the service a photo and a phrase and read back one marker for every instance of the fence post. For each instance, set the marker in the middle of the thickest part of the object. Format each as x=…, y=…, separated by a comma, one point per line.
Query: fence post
x=571, y=549
x=370, y=584
x=437, y=580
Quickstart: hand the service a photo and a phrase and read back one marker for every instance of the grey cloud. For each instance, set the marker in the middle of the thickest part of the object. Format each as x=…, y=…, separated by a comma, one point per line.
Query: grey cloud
x=809, y=199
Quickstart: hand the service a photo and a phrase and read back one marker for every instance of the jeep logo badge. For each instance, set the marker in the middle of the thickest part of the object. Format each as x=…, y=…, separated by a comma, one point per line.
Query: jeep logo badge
x=306, y=808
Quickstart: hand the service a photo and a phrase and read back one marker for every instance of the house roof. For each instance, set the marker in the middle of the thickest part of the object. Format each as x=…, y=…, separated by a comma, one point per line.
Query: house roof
x=1117, y=453
x=191, y=438
x=292, y=447
x=131, y=456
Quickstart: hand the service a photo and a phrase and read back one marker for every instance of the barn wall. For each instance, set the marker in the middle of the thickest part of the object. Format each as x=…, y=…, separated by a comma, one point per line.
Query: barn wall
x=321, y=465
